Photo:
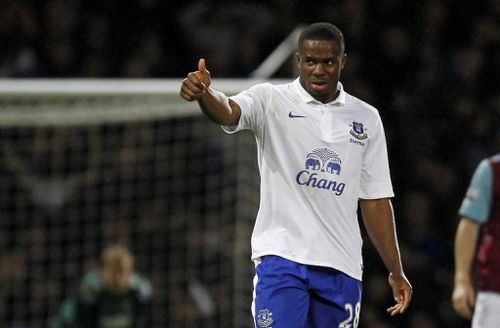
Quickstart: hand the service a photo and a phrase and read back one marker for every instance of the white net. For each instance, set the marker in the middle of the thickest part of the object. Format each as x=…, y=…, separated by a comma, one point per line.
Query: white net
x=86, y=163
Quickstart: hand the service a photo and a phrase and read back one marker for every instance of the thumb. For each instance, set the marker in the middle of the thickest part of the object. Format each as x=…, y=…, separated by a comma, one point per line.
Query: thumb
x=201, y=65
x=203, y=73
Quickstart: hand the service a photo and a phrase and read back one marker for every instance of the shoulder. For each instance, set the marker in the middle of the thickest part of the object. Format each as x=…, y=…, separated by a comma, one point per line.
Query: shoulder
x=483, y=174
x=262, y=94
x=487, y=163
x=141, y=286
x=495, y=159
x=361, y=105
x=90, y=286
x=268, y=88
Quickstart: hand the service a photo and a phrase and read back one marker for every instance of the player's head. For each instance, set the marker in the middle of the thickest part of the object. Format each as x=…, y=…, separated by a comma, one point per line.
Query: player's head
x=117, y=265
x=321, y=58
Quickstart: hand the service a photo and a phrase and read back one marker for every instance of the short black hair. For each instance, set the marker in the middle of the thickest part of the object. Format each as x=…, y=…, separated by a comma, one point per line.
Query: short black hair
x=322, y=31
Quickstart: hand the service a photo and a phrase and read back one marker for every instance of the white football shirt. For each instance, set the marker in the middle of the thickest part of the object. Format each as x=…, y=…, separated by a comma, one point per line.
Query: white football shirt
x=315, y=160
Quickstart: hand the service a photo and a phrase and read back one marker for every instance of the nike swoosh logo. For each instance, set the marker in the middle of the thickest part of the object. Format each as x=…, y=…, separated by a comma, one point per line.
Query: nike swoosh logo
x=292, y=115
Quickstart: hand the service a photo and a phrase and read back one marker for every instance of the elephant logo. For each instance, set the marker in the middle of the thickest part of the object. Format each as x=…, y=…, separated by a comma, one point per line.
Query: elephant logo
x=313, y=164
x=324, y=160
x=333, y=167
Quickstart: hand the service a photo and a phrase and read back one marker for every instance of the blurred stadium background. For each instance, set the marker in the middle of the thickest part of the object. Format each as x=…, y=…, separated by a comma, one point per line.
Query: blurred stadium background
x=97, y=146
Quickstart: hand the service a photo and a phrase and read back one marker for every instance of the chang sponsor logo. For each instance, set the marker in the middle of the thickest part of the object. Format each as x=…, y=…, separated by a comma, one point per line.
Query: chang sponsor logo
x=320, y=165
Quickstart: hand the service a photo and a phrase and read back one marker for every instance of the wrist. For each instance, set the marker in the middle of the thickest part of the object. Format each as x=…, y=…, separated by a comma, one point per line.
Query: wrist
x=396, y=274
x=396, y=269
x=462, y=277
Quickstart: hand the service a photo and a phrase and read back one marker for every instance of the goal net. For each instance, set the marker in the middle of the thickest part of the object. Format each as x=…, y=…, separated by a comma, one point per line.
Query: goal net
x=85, y=163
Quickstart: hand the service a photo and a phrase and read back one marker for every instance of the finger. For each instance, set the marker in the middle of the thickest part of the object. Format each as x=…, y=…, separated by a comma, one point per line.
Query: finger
x=193, y=82
x=471, y=299
x=190, y=95
x=201, y=65
x=203, y=73
x=405, y=300
x=402, y=303
x=463, y=310
x=394, y=310
x=191, y=91
x=202, y=70
x=187, y=95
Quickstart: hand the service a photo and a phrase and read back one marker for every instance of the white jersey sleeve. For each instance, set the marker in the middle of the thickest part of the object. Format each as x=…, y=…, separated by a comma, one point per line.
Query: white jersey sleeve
x=375, y=174
x=251, y=102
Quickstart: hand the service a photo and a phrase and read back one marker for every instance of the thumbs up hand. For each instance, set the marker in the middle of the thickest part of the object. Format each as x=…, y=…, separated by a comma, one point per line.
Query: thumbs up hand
x=194, y=86
x=203, y=73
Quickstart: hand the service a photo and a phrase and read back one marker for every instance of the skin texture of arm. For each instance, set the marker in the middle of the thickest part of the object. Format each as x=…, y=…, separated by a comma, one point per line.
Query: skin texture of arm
x=378, y=218
x=215, y=104
x=464, y=296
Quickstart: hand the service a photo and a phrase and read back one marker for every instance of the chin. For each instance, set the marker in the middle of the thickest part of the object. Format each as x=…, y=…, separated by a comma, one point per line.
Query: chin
x=323, y=93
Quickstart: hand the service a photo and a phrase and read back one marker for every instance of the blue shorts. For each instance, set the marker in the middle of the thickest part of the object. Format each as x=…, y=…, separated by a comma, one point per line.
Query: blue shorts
x=292, y=295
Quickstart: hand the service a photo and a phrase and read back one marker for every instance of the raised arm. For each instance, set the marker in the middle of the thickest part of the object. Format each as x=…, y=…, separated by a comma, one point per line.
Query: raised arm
x=463, y=297
x=215, y=104
x=378, y=218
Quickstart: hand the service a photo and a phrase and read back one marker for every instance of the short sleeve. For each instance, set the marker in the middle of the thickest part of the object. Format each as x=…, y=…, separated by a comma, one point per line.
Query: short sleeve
x=375, y=174
x=251, y=102
x=476, y=204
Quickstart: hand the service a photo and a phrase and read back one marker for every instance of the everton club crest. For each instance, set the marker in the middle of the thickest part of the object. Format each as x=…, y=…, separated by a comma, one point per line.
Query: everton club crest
x=358, y=131
x=265, y=318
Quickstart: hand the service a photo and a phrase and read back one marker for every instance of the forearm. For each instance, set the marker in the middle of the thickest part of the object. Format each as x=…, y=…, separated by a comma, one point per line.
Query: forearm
x=378, y=217
x=219, y=108
x=465, y=246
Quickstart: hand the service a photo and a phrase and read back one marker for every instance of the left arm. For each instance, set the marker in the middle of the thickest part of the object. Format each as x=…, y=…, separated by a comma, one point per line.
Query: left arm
x=378, y=218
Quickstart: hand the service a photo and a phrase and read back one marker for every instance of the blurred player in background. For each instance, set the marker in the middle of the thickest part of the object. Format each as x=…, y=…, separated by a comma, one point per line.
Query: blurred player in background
x=112, y=297
x=321, y=152
x=478, y=240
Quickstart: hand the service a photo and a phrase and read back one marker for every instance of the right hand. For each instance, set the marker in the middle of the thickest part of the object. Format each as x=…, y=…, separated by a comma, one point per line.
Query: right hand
x=195, y=85
x=463, y=299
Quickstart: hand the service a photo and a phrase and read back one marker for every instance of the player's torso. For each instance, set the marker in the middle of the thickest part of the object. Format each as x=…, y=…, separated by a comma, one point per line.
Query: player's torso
x=117, y=310
x=315, y=145
x=488, y=253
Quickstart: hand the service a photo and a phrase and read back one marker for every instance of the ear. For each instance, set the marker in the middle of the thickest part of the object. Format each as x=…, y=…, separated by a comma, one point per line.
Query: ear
x=298, y=59
x=344, y=60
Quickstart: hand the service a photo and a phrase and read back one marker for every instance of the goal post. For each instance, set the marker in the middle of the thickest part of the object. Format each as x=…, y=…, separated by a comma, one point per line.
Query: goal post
x=88, y=162
x=45, y=101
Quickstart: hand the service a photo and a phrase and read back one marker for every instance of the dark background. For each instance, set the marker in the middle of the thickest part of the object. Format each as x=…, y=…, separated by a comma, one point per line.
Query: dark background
x=432, y=69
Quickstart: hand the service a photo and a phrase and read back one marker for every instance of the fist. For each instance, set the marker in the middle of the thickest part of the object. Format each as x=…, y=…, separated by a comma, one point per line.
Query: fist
x=194, y=86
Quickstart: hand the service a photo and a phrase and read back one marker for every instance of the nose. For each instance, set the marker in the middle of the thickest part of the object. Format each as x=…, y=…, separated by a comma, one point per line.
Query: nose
x=319, y=69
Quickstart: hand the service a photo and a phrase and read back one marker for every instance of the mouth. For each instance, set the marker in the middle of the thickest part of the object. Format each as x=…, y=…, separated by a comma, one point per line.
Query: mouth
x=319, y=85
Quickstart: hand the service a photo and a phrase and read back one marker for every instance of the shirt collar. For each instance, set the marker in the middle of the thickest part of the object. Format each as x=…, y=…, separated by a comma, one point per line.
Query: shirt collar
x=307, y=98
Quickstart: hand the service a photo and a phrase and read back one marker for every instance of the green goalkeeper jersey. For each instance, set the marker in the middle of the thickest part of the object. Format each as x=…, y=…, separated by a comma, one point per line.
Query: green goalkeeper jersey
x=95, y=307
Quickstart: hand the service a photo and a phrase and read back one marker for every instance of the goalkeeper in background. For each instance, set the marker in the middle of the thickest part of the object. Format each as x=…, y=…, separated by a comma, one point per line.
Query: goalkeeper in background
x=321, y=152
x=112, y=297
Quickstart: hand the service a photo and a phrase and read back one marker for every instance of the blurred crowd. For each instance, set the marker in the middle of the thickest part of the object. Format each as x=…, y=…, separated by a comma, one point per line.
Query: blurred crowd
x=432, y=68
x=66, y=193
